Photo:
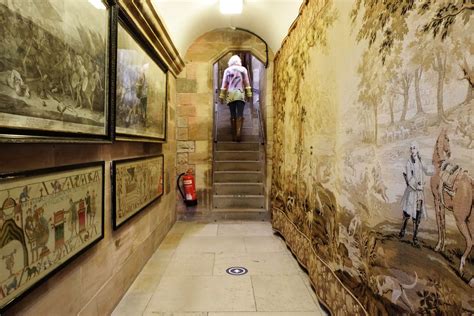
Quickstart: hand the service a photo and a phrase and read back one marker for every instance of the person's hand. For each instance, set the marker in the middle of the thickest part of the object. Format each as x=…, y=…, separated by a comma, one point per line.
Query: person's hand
x=222, y=95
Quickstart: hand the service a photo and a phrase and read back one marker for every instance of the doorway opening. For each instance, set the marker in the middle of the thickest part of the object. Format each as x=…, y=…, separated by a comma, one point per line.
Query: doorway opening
x=239, y=167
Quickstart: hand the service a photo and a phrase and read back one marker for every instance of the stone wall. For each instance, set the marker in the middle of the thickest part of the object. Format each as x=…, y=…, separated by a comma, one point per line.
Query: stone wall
x=94, y=282
x=195, y=114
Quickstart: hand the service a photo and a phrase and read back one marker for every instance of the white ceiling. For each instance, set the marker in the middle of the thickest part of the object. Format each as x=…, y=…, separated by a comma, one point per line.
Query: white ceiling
x=186, y=20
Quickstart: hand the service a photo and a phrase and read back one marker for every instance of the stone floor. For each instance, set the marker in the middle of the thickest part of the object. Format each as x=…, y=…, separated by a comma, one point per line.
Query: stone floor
x=187, y=275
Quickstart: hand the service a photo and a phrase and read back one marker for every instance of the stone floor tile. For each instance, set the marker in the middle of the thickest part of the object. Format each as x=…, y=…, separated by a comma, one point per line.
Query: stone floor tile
x=245, y=229
x=264, y=244
x=180, y=227
x=162, y=254
x=282, y=293
x=156, y=265
x=203, y=293
x=175, y=314
x=190, y=264
x=269, y=263
x=170, y=242
x=132, y=304
x=305, y=277
x=145, y=283
x=186, y=276
x=315, y=313
x=211, y=244
x=201, y=229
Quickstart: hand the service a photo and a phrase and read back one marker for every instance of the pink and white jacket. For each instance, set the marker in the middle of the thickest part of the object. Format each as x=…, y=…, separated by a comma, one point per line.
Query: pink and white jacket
x=234, y=82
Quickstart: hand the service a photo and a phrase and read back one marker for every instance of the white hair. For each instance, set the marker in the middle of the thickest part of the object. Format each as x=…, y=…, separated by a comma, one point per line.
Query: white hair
x=234, y=60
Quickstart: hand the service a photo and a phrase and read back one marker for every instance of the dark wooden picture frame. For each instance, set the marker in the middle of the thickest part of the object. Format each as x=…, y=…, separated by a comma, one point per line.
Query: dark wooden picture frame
x=136, y=183
x=48, y=217
x=141, y=87
x=56, y=74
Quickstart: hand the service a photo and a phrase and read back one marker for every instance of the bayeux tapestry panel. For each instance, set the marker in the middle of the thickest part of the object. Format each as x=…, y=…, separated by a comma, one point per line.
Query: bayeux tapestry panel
x=137, y=183
x=47, y=217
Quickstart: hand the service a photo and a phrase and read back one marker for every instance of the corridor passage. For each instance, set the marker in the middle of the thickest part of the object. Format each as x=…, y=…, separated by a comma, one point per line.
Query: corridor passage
x=187, y=275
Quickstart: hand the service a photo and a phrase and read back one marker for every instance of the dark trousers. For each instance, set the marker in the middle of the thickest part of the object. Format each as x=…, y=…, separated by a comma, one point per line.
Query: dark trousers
x=236, y=109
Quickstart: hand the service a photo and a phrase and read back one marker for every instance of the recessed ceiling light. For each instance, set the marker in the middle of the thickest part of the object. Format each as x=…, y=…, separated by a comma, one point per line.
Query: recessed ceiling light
x=231, y=6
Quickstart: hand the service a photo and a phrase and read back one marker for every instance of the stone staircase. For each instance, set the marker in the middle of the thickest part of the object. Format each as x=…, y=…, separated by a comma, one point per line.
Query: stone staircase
x=238, y=168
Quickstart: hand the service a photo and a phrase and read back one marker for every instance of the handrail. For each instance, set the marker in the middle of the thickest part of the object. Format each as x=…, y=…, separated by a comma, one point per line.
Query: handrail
x=260, y=125
x=216, y=120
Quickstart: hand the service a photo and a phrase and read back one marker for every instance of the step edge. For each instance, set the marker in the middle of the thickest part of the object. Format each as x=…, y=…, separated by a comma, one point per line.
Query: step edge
x=240, y=210
x=231, y=142
x=233, y=151
x=239, y=195
x=236, y=161
x=237, y=171
x=237, y=183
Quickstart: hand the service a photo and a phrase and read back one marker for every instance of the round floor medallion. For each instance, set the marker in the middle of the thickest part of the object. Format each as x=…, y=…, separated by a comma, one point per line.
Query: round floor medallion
x=236, y=270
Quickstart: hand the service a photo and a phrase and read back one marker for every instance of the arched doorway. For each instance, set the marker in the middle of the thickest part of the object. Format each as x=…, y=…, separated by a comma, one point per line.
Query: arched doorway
x=196, y=105
x=239, y=168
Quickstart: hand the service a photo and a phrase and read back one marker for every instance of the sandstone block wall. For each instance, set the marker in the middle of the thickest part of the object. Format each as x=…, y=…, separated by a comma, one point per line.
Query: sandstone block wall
x=195, y=109
x=96, y=281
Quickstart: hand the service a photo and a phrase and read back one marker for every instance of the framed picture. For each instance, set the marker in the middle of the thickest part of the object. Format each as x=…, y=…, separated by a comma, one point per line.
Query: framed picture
x=136, y=183
x=141, y=87
x=55, y=61
x=48, y=217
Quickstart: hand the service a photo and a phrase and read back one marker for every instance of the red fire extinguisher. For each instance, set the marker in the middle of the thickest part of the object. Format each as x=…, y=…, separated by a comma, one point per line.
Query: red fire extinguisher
x=189, y=195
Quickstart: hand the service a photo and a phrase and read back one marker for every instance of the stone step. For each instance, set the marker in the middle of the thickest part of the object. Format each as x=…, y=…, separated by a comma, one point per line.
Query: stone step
x=218, y=214
x=225, y=108
x=244, y=138
x=238, y=176
x=234, y=146
x=239, y=210
x=242, y=201
x=225, y=120
x=245, y=131
x=237, y=155
x=246, y=124
x=226, y=111
x=235, y=188
x=236, y=165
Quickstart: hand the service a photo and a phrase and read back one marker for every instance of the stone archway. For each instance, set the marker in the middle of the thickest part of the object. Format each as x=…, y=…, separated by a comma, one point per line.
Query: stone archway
x=195, y=104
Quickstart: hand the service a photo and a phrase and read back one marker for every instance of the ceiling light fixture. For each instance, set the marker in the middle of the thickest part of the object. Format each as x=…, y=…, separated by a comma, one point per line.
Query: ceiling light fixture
x=98, y=4
x=231, y=6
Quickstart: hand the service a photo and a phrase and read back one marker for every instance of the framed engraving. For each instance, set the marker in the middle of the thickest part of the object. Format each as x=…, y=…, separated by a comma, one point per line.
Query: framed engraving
x=136, y=183
x=141, y=88
x=48, y=217
x=55, y=61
